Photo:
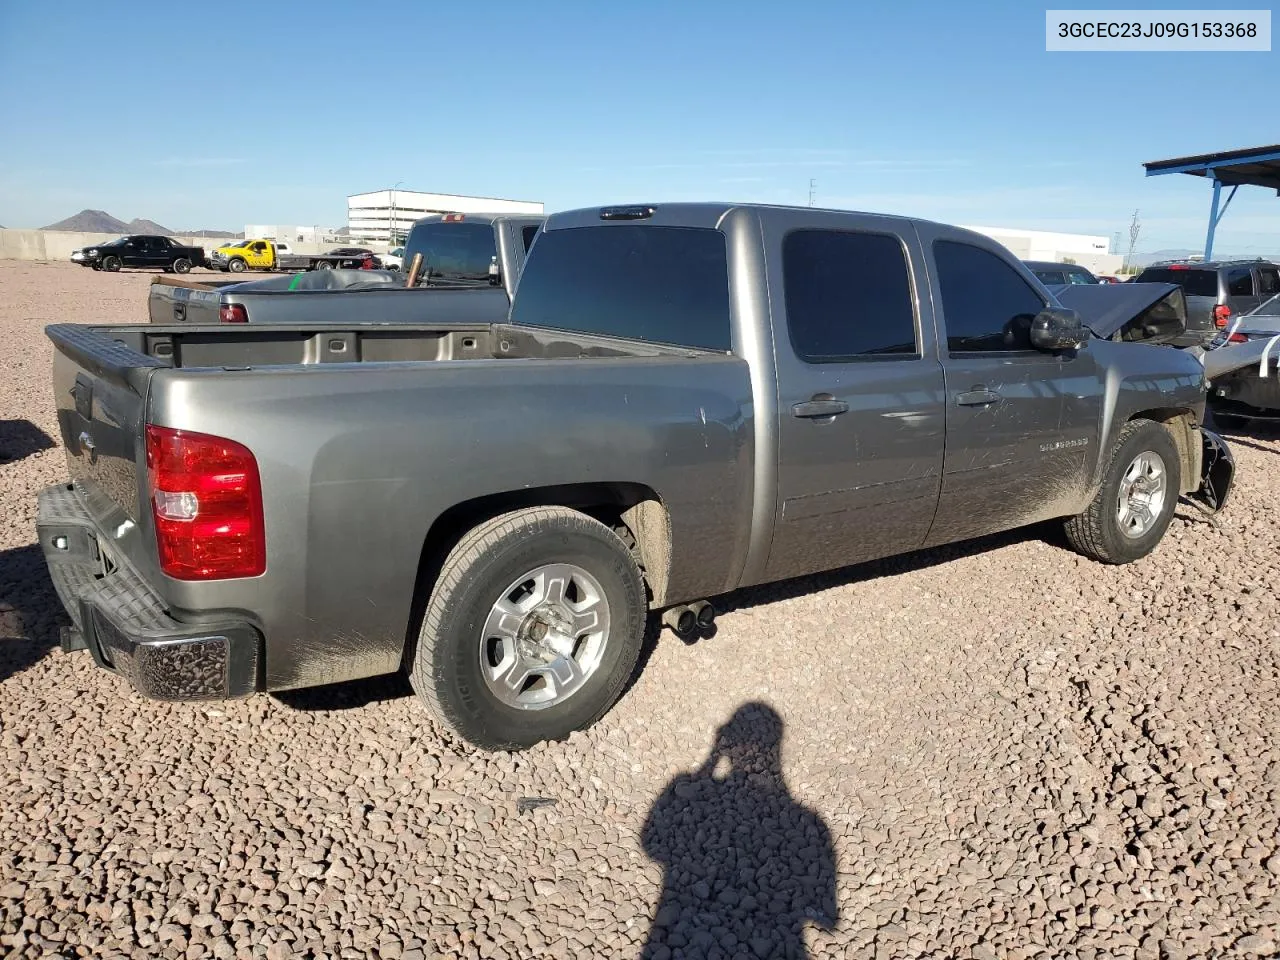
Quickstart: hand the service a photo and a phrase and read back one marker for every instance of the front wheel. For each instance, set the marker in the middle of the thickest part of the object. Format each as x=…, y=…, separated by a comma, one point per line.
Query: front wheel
x=324, y=265
x=1131, y=512
x=236, y=266
x=111, y=264
x=182, y=265
x=532, y=629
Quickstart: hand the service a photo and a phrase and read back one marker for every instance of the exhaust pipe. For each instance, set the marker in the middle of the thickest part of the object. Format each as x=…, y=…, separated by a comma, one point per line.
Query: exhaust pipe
x=687, y=618
x=682, y=620
x=704, y=612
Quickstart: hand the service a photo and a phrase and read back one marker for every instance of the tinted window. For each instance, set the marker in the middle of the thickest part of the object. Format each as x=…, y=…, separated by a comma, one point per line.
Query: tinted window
x=848, y=295
x=1051, y=277
x=1268, y=281
x=664, y=284
x=452, y=251
x=986, y=305
x=527, y=235
x=1240, y=282
x=1081, y=276
x=1194, y=283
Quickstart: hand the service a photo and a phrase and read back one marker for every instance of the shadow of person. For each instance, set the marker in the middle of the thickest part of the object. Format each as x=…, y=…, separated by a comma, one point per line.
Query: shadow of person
x=745, y=866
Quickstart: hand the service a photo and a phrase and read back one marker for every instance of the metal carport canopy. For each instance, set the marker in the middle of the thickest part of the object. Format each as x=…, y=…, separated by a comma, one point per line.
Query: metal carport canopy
x=1255, y=167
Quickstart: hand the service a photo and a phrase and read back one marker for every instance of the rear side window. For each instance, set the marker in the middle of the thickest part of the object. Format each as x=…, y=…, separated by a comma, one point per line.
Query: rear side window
x=1194, y=283
x=527, y=234
x=1051, y=277
x=848, y=295
x=1240, y=282
x=986, y=305
x=663, y=284
x=1268, y=281
x=452, y=251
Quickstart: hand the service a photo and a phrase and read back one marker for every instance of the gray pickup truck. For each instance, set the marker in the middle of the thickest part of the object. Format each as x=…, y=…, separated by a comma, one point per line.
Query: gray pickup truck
x=471, y=265
x=685, y=400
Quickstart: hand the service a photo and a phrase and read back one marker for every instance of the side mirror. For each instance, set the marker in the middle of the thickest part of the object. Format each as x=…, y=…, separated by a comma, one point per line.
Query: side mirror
x=1057, y=328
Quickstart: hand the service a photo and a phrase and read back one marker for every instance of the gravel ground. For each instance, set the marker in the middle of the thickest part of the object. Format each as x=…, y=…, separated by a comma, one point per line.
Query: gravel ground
x=993, y=750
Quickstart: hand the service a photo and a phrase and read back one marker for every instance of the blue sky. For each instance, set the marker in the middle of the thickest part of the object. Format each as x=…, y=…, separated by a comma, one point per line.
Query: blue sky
x=199, y=115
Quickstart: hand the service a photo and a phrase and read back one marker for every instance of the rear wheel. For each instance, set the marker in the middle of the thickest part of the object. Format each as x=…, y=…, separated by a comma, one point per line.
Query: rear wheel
x=324, y=265
x=182, y=265
x=1133, y=508
x=111, y=264
x=532, y=629
x=236, y=265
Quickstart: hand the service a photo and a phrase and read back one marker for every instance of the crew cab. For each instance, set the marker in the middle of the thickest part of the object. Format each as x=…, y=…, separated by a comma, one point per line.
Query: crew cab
x=685, y=399
x=471, y=267
x=140, y=250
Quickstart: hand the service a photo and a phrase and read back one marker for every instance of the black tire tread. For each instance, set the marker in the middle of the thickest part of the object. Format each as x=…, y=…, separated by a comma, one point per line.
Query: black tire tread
x=424, y=667
x=1085, y=530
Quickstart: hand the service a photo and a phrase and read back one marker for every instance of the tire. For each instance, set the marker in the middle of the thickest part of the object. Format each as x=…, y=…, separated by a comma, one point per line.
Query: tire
x=452, y=664
x=1105, y=531
x=324, y=265
x=111, y=264
x=236, y=266
x=182, y=265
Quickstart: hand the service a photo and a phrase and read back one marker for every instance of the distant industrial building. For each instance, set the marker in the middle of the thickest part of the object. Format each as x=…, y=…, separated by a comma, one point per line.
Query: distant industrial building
x=385, y=214
x=1093, y=253
x=309, y=233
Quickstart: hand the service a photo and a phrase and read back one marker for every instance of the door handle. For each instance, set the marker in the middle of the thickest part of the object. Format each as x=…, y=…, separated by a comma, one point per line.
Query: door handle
x=819, y=407
x=978, y=397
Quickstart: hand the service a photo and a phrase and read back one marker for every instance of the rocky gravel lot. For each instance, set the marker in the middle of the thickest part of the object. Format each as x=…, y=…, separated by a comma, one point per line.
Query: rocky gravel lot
x=998, y=750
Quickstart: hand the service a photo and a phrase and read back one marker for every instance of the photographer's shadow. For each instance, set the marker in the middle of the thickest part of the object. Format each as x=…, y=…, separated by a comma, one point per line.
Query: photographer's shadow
x=746, y=867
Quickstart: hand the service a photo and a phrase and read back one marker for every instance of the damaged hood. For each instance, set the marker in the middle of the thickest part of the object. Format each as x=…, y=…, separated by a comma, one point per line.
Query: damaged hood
x=1106, y=308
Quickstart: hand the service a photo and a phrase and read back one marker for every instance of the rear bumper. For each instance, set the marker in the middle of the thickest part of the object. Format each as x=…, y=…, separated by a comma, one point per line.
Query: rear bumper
x=125, y=625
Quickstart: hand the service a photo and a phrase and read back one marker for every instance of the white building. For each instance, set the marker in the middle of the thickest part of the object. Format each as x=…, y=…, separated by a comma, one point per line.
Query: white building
x=308, y=233
x=1093, y=253
x=379, y=215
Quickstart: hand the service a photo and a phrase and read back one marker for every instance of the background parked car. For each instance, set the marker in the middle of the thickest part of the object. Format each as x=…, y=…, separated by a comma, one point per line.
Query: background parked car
x=393, y=259
x=140, y=251
x=1059, y=274
x=359, y=257
x=1218, y=290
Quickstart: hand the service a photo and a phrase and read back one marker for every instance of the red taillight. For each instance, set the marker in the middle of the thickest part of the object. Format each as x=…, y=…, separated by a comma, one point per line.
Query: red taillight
x=233, y=313
x=1237, y=338
x=206, y=498
x=1221, y=314
x=1178, y=266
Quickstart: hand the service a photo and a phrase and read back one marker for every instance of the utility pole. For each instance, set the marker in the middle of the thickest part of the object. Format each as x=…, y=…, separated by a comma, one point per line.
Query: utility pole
x=813, y=185
x=1135, y=228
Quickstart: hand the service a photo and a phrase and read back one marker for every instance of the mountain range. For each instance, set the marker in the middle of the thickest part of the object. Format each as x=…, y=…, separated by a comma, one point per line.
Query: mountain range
x=99, y=221
x=1181, y=253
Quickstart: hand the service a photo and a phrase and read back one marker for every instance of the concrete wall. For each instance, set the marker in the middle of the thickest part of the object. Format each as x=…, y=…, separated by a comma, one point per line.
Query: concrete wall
x=59, y=244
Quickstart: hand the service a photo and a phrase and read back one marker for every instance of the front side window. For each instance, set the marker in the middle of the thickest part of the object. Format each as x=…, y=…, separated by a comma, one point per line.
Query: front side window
x=987, y=306
x=1268, y=281
x=848, y=296
x=641, y=282
x=1079, y=276
x=1051, y=277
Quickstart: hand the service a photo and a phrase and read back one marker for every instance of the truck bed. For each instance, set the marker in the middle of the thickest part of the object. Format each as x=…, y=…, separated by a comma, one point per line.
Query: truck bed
x=365, y=437
x=171, y=301
x=144, y=346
